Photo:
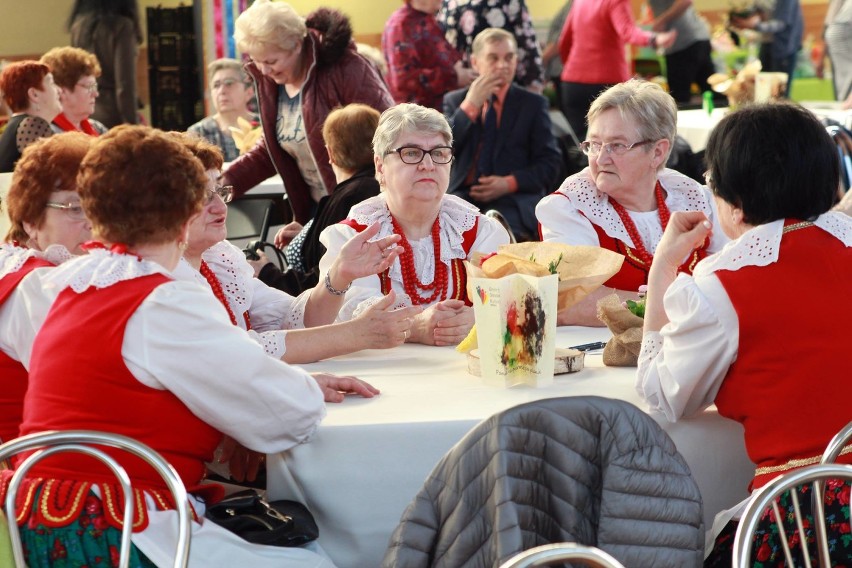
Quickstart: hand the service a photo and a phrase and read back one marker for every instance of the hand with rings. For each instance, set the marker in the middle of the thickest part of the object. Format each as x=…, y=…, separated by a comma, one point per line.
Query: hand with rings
x=382, y=325
x=361, y=257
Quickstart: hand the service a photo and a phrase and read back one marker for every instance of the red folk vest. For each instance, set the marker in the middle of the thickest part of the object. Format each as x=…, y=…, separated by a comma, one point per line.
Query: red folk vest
x=79, y=380
x=789, y=386
x=14, y=375
x=458, y=274
x=634, y=271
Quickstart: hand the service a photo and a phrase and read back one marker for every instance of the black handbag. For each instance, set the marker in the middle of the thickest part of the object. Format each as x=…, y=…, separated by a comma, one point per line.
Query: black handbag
x=252, y=518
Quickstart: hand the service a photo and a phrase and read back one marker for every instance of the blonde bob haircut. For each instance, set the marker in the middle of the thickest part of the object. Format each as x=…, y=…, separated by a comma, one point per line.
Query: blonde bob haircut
x=646, y=104
x=267, y=23
x=140, y=186
x=408, y=118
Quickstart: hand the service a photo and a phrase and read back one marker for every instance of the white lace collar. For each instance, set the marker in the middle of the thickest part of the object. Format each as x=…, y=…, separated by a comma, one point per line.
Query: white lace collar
x=759, y=246
x=13, y=257
x=102, y=268
x=235, y=275
x=456, y=215
x=682, y=194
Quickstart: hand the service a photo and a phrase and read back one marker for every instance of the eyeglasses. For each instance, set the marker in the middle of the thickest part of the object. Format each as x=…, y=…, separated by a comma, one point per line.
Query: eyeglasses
x=73, y=210
x=226, y=83
x=91, y=87
x=226, y=192
x=415, y=155
x=591, y=148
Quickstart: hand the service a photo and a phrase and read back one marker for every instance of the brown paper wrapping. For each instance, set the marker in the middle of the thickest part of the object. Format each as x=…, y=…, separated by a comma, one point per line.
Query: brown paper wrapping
x=581, y=270
x=626, y=327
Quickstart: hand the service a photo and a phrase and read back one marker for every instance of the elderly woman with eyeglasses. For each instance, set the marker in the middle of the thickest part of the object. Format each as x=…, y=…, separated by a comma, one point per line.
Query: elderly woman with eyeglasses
x=622, y=202
x=126, y=348
x=413, y=152
x=48, y=227
x=75, y=72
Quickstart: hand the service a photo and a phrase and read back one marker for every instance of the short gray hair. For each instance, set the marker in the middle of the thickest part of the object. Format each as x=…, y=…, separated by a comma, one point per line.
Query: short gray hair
x=226, y=64
x=492, y=35
x=267, y=23
x=652, y=109
x=408, y=117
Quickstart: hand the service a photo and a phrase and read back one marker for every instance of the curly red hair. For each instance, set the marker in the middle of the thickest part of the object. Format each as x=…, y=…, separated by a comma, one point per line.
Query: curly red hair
x=70, y=64
x=19, y=77
x=47, y=165
x=209, y=154
x=139, y=185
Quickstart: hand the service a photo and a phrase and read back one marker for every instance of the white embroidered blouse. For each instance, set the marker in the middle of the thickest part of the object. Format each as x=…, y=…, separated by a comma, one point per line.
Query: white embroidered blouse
x=570, y=213
x=456, y=217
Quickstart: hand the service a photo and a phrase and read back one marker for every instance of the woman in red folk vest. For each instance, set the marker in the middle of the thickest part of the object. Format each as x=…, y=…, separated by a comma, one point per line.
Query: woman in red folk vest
x=47, y=228
x=75, y=72
x=623, y=200
x=413, y=152
x=753, y=329
x=126, y=348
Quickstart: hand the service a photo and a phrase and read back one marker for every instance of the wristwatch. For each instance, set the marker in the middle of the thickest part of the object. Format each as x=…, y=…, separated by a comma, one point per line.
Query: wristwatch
x=653, y=42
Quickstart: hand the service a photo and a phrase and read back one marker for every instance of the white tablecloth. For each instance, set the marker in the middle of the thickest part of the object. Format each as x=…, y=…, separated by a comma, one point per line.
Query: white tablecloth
x=695, y=125
x=370, y=457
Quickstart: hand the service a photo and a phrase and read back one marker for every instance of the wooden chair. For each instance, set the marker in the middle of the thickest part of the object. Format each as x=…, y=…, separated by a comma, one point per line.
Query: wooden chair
x=550, y=554
x=767, y=496
x=82, y=441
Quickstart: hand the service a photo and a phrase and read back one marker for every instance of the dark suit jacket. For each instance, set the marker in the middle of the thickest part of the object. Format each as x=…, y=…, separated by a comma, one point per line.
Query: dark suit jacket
x=525, y=147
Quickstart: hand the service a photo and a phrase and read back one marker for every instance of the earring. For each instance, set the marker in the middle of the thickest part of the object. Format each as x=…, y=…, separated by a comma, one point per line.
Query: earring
x=381, y=179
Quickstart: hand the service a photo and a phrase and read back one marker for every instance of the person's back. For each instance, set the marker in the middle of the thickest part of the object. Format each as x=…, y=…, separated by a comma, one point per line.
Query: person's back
x=112, y=38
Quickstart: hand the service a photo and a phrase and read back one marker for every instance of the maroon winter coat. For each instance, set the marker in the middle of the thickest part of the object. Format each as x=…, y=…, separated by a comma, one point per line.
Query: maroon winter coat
x=337, y=75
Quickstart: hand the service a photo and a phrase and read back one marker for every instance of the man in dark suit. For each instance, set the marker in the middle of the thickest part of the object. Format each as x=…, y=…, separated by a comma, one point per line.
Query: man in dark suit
x=506, y=157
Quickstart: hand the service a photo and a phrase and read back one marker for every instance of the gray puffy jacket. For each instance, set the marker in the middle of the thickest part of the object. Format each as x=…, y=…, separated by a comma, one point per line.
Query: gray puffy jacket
x=578, y=469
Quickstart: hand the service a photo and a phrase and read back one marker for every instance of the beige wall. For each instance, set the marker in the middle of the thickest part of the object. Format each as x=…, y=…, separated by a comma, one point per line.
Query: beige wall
x=36, y=26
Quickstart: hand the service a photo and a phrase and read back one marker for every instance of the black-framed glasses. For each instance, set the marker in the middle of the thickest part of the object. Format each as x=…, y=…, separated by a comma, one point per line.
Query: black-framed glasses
x=226, y=192
x=73, y=210
x=414, y=155
x=593, y=148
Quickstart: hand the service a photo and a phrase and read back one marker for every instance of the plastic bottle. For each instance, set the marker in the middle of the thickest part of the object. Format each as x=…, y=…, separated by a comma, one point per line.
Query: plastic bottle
x=707, y=102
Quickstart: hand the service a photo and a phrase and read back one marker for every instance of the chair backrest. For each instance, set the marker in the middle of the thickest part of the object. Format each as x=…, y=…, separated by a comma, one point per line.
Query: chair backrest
x=549, y=554
x=249, y=218
x=497, y=216
x=767, y=496
x=82, y=441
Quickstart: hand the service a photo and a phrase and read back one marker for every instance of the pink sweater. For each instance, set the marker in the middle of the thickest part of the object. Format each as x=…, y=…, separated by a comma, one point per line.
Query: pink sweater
x=592, y=43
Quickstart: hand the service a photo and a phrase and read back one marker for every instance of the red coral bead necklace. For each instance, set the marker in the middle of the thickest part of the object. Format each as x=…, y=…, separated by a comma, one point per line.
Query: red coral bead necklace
x=410, y=282
x=663, y=210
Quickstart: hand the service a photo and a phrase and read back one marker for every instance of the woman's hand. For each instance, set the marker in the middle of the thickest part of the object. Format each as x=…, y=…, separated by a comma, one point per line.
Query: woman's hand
x=360, y=257
x=336, y=387
x=286, y=234
x=444, y=323
x=257, y=265
x=381, y=326
x=243, y=463
x=686, y=231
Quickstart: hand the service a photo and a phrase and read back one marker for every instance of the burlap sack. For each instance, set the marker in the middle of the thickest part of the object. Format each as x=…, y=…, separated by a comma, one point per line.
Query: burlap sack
x=623, y=349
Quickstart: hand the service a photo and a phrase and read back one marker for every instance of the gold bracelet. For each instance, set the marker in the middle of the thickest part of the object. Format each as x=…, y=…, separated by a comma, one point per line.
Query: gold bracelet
x=331, y=289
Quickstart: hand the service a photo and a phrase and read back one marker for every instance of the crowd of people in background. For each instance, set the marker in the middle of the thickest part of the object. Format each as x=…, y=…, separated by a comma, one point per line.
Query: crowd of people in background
x=117, y=264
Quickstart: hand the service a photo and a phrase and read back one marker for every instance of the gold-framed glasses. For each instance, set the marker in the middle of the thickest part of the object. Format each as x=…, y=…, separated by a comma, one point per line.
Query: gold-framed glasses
x=73, y=210
x=415, y=155
x=91, y=87
x=593, y=148
x=226, y=192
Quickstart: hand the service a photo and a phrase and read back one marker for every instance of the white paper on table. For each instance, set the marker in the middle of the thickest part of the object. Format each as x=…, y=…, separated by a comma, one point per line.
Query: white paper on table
x=516, y=328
